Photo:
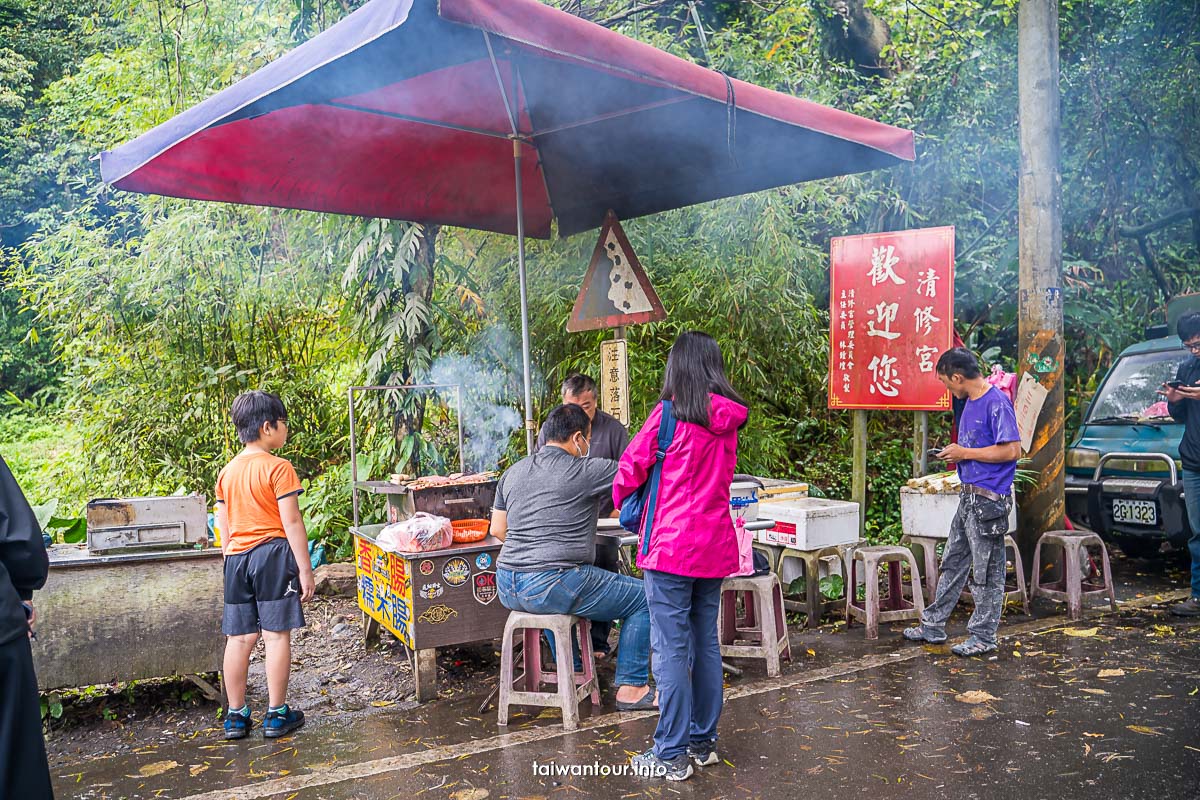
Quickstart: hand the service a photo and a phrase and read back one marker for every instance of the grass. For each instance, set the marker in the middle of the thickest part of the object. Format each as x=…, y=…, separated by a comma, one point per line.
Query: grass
x=45, y=455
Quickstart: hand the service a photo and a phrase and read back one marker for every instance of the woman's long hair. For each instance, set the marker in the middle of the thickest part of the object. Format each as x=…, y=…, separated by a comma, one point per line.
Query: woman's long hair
x=694, y=369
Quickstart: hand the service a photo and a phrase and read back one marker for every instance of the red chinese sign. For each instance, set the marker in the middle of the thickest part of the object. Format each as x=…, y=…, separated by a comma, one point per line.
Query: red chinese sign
x=891, y=312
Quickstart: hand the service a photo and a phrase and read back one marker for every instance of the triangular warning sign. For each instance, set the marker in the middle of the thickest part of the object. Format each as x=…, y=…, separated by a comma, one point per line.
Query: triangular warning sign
x=615, y=290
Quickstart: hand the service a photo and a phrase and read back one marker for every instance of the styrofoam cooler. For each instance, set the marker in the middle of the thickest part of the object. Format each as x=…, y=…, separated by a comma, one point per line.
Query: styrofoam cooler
x=931, y=513
x=810, y=523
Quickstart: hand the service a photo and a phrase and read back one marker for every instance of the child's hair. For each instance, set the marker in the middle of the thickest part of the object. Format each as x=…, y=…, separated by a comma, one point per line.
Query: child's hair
x=959, y=361
x=251, y=410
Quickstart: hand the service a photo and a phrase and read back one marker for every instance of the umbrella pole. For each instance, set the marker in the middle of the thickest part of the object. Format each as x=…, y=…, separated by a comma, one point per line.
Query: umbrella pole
x=525, y=359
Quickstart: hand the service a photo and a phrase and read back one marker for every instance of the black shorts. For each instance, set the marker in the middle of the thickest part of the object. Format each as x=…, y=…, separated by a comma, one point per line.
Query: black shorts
x=262, y=590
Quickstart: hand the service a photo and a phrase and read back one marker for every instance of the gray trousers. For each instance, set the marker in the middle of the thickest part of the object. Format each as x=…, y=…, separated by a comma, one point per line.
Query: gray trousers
x=974, y=556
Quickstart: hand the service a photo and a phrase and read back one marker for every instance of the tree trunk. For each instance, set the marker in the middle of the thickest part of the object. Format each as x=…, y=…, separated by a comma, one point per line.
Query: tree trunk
x=1040, y=246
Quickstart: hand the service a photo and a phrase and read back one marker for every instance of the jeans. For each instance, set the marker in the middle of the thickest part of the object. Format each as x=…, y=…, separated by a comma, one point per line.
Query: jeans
x=593, y=593
x=687, y=659
x=974, y=551
x=1191, y=496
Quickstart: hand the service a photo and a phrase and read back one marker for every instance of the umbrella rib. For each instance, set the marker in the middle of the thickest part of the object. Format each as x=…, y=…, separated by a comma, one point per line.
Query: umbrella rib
x=420, y=120
x=512, y=117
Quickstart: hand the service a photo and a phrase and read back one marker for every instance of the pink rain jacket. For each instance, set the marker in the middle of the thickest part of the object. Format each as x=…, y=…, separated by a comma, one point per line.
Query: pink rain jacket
x=693, y=533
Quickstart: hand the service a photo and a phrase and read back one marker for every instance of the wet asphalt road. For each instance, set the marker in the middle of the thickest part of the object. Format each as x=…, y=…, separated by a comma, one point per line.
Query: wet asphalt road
x=849, y=719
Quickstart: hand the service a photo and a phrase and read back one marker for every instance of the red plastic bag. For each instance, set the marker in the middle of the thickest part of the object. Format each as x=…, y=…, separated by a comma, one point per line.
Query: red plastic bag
x=419, y=533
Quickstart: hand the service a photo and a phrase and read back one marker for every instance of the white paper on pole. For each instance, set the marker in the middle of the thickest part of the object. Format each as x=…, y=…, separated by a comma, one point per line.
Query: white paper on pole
x=1031, y=396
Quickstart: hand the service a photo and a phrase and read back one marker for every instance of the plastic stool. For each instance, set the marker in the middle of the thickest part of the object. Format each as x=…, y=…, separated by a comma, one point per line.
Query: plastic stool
x=1072, y=588
x=928, y=545
x=763, y=600
x=569, y=693
x=1017, y=592
x=898, y=607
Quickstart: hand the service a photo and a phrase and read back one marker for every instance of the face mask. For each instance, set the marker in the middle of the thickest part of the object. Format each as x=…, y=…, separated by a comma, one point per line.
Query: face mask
x=583, y=453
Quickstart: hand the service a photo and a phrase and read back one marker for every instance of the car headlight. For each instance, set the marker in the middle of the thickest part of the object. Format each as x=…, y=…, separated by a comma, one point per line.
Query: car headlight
x=1083, y=457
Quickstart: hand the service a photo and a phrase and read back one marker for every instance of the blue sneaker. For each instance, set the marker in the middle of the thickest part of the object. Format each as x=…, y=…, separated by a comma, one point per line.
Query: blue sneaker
x=238, y=725
x=281, y=723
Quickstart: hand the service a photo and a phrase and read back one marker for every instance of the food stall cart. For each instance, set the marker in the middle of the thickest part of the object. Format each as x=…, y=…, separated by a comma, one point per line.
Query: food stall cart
x=435, y=598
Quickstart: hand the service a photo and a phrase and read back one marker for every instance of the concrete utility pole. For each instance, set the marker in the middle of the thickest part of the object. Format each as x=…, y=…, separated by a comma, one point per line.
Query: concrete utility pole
x=1041, y=349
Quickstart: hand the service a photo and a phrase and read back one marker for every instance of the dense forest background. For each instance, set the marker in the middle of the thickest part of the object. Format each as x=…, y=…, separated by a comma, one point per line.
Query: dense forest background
x=128, y=323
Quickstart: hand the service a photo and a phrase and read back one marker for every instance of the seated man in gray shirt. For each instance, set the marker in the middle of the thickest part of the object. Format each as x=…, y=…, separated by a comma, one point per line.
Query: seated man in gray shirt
x=545, y=513
x=608, y=439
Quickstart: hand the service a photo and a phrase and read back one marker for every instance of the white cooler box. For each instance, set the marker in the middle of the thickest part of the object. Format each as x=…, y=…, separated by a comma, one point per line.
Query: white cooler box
x=809, y=523
x=931, y=513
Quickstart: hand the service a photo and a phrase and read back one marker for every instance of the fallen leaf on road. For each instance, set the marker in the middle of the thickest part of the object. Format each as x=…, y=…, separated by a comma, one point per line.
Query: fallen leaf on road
x=470, y=794
x=1081, y=631
x=974, y=697
x=1142, y=729
x=197, y=769
x=1094, y=691
x=157, y=768
x=1111, y=673
x=1094, y=735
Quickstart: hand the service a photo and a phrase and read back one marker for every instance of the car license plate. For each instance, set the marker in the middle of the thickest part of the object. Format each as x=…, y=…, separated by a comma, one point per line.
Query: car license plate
x=1139, y=512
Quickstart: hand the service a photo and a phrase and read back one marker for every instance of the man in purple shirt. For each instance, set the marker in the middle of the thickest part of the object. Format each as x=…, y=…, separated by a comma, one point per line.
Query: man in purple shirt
x=986, y=455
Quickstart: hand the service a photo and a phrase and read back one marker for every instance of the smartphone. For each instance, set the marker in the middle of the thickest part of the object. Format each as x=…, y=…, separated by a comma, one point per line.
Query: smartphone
x=933, y=452
x=1174, y=384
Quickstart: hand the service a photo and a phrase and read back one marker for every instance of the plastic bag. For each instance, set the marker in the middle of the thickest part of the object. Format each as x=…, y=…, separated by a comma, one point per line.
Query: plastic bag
x=419, y=533
x=1006, y=382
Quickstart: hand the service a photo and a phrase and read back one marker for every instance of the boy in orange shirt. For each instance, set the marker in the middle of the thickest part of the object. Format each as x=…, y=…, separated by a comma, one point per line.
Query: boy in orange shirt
x=267, y=569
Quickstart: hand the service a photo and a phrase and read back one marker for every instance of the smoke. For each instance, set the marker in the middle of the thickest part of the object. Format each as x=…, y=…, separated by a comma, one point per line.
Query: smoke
x=490, y=377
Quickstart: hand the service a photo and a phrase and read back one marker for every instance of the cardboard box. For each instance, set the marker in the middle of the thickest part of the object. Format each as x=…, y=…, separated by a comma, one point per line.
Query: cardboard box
x=809, y=523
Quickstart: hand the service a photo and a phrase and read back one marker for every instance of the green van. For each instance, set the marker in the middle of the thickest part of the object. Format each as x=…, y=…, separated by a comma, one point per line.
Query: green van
x=1123, y=469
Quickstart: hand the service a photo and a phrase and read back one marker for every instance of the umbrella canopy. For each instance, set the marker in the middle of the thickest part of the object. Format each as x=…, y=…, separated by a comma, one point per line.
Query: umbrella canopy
x=408, y=109
x=500, y=115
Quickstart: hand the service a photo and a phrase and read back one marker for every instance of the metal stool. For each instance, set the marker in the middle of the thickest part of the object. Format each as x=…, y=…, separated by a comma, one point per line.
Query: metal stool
x=570, y=692
x=898, y=608
x=763, y=601
x=1010, y=592
x=1072, y=588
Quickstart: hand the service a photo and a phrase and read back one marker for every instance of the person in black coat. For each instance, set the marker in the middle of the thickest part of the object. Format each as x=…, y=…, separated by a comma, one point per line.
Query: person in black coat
x=24, y=772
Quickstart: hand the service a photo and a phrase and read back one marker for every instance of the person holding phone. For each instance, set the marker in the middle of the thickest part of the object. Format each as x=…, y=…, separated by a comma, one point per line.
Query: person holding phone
x=986, y=455
x=1183, y=404
x=24, y=565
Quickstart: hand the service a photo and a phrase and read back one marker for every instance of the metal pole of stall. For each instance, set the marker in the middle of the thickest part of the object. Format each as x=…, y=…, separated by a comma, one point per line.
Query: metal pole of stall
x=525, y=357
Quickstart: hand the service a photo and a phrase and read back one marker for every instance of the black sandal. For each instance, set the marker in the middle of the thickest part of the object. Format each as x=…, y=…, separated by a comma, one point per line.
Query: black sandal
x=647, y=702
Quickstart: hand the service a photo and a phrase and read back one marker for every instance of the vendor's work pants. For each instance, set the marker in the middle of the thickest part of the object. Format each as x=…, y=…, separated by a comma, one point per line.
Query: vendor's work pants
x=687, y=659
x=24, y=773
x=974, y=557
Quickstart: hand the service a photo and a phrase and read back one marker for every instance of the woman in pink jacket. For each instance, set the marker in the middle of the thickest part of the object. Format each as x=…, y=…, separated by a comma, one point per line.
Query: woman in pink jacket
x=689, y=550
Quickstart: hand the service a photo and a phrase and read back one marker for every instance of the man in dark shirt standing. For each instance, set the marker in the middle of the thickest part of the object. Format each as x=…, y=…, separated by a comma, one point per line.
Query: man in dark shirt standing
x=23, y=567
x=609, y=440
x=1183, y=403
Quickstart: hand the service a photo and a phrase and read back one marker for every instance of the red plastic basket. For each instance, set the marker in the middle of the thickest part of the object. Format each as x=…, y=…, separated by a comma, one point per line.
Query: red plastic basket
x=469, y=530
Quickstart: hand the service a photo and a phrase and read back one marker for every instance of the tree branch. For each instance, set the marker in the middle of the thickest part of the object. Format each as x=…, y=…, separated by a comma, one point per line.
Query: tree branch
x=630, y=12
x=1151, y=227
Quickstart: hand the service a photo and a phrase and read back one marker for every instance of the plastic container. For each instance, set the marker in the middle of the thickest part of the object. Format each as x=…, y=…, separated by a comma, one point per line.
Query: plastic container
x=743, y=500
x=925, y=513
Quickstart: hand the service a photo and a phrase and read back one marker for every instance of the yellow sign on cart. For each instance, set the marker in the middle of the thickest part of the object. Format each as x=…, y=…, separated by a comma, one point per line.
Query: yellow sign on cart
x=384, y=589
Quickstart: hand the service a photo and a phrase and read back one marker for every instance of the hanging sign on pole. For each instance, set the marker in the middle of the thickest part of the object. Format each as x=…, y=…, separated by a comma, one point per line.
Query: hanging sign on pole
x=891, y=315
x=614, y=380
